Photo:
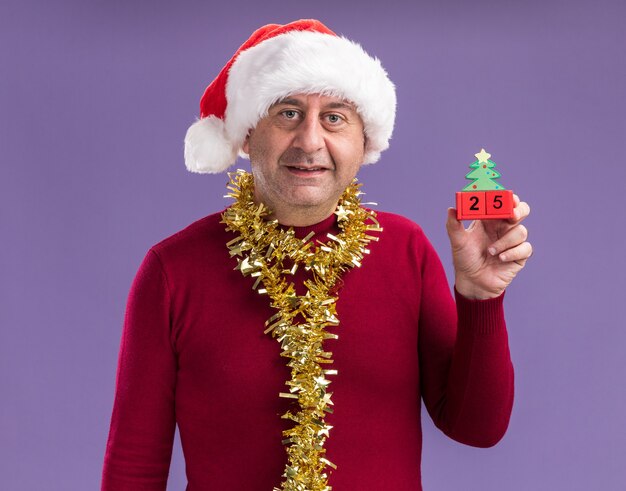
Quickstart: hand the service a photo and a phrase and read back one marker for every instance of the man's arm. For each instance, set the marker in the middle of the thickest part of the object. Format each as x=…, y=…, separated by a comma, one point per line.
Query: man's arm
x=466, y=373
x=141, y=435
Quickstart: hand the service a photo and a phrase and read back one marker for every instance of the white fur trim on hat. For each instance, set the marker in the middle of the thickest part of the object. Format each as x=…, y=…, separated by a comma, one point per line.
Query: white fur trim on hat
x=207, y=149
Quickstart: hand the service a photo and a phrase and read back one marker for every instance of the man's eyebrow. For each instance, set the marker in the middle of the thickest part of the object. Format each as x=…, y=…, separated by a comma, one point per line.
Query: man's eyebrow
x=333, y=105
x=288, y=101
x=342, y=105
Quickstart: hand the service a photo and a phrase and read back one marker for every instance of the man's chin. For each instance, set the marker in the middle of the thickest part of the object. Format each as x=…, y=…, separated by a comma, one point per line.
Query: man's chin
x=308, y=197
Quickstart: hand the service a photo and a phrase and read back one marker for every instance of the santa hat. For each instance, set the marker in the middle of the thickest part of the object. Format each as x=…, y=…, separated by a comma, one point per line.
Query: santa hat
x=279, y=60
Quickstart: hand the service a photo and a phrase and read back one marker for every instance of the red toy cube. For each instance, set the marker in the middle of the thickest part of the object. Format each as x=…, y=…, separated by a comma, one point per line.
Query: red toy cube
x=484, y=205
x=471, y=204
x=500, y=203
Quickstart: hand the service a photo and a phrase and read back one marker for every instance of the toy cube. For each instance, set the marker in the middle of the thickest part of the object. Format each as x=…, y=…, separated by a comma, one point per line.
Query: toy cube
x=484, y=198
x=484, y=205
x=470, y=205
x=499, y=203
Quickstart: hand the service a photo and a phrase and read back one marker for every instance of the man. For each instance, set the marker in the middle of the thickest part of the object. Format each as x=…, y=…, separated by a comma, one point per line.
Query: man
x=358, y=302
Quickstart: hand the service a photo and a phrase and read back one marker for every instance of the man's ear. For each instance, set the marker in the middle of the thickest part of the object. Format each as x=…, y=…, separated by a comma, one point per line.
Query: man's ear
x=246, y=146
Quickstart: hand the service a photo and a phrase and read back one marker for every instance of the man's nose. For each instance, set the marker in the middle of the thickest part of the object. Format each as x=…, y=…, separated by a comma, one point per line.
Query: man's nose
x=310, y=134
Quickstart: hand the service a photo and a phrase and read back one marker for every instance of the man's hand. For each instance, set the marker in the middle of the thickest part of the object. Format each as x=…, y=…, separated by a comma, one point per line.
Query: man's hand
x=489, y=253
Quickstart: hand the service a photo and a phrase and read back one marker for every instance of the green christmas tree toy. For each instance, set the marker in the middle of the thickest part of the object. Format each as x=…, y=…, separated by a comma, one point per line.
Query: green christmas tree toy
x=484, y=198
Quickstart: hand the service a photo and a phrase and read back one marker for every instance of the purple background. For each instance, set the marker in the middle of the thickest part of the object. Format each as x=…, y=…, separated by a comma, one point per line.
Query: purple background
x=95, y=98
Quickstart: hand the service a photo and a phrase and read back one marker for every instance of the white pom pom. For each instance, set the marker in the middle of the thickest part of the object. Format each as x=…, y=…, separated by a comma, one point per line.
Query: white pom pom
x=207, y=148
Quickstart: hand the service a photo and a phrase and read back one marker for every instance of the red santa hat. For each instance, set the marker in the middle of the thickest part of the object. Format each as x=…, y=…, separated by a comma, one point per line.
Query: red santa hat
x=279, y=60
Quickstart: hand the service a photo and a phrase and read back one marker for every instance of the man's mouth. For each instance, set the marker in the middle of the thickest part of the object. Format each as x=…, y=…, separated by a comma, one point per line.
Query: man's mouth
x=307, y=169
x=310, y=171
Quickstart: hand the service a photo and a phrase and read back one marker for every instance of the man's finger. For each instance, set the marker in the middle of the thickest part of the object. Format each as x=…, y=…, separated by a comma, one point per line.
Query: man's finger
x=512, y=238
x=454, y=227
x=519, y=253
x=521, y=210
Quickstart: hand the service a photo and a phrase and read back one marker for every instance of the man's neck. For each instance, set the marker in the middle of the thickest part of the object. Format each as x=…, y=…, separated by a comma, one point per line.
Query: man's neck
x=302, y=216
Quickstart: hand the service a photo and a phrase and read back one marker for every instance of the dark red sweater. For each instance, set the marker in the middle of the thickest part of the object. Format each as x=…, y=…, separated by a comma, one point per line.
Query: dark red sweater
x=193, y=353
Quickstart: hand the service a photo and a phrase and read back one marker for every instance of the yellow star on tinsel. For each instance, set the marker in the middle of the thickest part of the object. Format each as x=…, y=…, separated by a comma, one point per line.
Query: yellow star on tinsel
x=342, y=213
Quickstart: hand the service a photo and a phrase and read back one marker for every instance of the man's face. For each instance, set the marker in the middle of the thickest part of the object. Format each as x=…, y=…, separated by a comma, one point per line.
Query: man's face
x=304, y=154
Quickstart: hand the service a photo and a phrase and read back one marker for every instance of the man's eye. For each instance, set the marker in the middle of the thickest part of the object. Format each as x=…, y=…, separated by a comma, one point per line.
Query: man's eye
x=334, y=118
x=290, y=114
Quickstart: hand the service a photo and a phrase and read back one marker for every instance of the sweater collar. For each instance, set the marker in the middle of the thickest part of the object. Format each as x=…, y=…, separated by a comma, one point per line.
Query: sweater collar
x=327, y=225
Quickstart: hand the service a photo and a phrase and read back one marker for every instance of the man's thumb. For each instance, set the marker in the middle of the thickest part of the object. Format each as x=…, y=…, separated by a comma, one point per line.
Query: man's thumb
x=453, y=226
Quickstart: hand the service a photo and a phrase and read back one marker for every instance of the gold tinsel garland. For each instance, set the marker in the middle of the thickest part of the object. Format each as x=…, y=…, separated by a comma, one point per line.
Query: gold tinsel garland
x=266, y=251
